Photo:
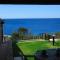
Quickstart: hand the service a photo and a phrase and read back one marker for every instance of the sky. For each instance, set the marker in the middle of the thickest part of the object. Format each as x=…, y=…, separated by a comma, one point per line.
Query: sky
x=29, y=11
x=19, y=12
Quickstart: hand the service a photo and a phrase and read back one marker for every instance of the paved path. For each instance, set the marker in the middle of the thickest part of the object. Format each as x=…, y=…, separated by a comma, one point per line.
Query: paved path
x=34, y=40
x=30, y=40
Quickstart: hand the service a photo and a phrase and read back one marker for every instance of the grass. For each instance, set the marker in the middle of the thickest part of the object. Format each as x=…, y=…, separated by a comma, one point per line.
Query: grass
x=30, y=48
x=57, y=43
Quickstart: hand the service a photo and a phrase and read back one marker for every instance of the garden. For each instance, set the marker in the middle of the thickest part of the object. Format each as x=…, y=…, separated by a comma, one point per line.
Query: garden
x=28, y=44
x=30, y=48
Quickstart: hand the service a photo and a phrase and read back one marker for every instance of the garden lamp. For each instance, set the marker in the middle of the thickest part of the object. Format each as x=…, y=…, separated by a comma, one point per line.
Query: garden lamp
x=53, y=36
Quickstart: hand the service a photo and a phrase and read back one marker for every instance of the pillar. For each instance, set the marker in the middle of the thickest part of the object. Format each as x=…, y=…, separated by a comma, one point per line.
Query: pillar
x=1, y=31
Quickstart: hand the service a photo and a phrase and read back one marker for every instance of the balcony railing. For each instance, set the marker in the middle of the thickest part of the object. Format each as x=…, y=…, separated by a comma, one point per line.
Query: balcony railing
x=50, y=54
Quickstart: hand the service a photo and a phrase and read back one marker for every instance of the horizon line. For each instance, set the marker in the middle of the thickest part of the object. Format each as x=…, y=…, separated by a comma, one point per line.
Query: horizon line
x=30, y=18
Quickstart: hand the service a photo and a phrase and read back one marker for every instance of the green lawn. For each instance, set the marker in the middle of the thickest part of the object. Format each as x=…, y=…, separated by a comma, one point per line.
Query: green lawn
x=30, y=48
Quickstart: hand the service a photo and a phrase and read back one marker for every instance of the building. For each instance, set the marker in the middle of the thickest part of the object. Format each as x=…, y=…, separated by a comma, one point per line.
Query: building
x=6, y=37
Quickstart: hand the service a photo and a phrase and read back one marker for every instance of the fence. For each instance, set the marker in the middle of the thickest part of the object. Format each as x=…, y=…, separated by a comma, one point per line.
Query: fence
x=51, y=55
x=25, y=57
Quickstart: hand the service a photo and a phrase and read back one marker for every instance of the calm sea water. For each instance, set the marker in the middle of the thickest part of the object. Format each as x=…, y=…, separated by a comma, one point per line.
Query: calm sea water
x=35, y=26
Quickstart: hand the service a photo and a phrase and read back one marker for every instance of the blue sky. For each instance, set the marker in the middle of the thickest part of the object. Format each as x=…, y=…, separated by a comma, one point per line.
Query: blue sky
x=29, y=11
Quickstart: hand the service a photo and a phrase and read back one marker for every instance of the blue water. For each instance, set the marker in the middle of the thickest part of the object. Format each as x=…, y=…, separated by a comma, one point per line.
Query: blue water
x=35, y=26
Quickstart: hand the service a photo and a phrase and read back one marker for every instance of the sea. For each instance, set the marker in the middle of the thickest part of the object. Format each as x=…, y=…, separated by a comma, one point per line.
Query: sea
x=34, y=25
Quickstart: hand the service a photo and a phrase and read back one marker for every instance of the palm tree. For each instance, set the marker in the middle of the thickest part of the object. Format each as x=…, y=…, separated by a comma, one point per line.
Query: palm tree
x=22, y=32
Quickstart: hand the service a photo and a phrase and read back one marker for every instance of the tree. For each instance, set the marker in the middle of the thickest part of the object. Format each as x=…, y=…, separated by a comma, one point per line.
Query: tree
x=23, y=32
x=47, y=36
x=15, y=36
x=41, y=35
x=57, y=34
x=30, y=35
